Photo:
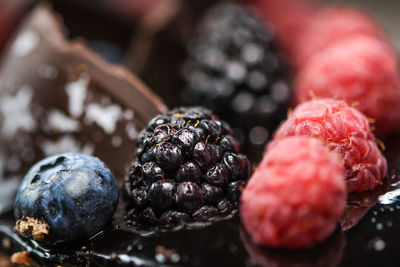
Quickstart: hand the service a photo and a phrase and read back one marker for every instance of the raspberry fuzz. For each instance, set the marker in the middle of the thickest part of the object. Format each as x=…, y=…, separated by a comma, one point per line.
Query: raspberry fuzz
x=344, y=130
x=360, y=70
x=296, y=196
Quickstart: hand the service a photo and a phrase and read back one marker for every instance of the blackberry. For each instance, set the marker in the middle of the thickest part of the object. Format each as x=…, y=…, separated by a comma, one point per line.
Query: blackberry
x=187, y=168
x=233, y=66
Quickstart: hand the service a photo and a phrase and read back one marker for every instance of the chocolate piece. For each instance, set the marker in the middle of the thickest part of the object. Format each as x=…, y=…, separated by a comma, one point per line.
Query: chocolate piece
x=83, y=19
x=145, y=37
x=164, y=43
x=57, y=96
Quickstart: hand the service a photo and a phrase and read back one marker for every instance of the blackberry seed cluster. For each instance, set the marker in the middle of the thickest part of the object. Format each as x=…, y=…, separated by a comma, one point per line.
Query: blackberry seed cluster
x=188, y=168
x=234, y=67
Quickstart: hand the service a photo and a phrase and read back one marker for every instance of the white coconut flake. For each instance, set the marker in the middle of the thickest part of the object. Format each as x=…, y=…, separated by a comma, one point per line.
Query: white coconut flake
x=25, y=43
x=60, y=122
x=116, y=141
x=77, y=92
x=129, y=114
x=47, y=72
x=131, y=131
x=105, y=117
x=16, y=112
x=88, y=149
x=66, y=144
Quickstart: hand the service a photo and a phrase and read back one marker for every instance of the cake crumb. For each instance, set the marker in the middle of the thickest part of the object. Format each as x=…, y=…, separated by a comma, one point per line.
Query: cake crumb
x=36, y=228
x=23, y=257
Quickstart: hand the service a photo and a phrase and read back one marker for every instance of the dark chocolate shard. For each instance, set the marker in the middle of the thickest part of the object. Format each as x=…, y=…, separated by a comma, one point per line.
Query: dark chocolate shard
x=58, y=96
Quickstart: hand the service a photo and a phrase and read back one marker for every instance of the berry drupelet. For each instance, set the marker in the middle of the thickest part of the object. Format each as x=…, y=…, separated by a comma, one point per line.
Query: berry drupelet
x=345, y=131
x=234, y=67
x=187, y=168
x=296, y=196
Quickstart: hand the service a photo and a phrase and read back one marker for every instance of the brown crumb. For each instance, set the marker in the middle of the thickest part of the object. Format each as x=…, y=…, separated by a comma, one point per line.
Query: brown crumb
x=170, y=255
x=23, y=257
x=34, y=227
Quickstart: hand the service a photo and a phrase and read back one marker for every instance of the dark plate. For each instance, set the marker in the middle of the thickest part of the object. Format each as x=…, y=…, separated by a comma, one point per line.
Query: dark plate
x=371, y=236
x=373, y=241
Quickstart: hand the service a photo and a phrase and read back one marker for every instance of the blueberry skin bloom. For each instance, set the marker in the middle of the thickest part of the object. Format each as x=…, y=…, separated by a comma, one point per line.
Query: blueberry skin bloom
x=64, y=198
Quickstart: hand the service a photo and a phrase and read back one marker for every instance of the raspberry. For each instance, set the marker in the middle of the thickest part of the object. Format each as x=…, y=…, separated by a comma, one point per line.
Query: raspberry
x=234, y=67
x=296, y=196
x=289, y=19
x=361, y=70
x=331, y=25
x=188, y=168
x=344, y=130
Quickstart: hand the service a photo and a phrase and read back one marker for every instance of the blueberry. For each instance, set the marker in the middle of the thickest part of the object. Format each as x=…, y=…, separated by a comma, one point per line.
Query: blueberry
x=65, y=197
